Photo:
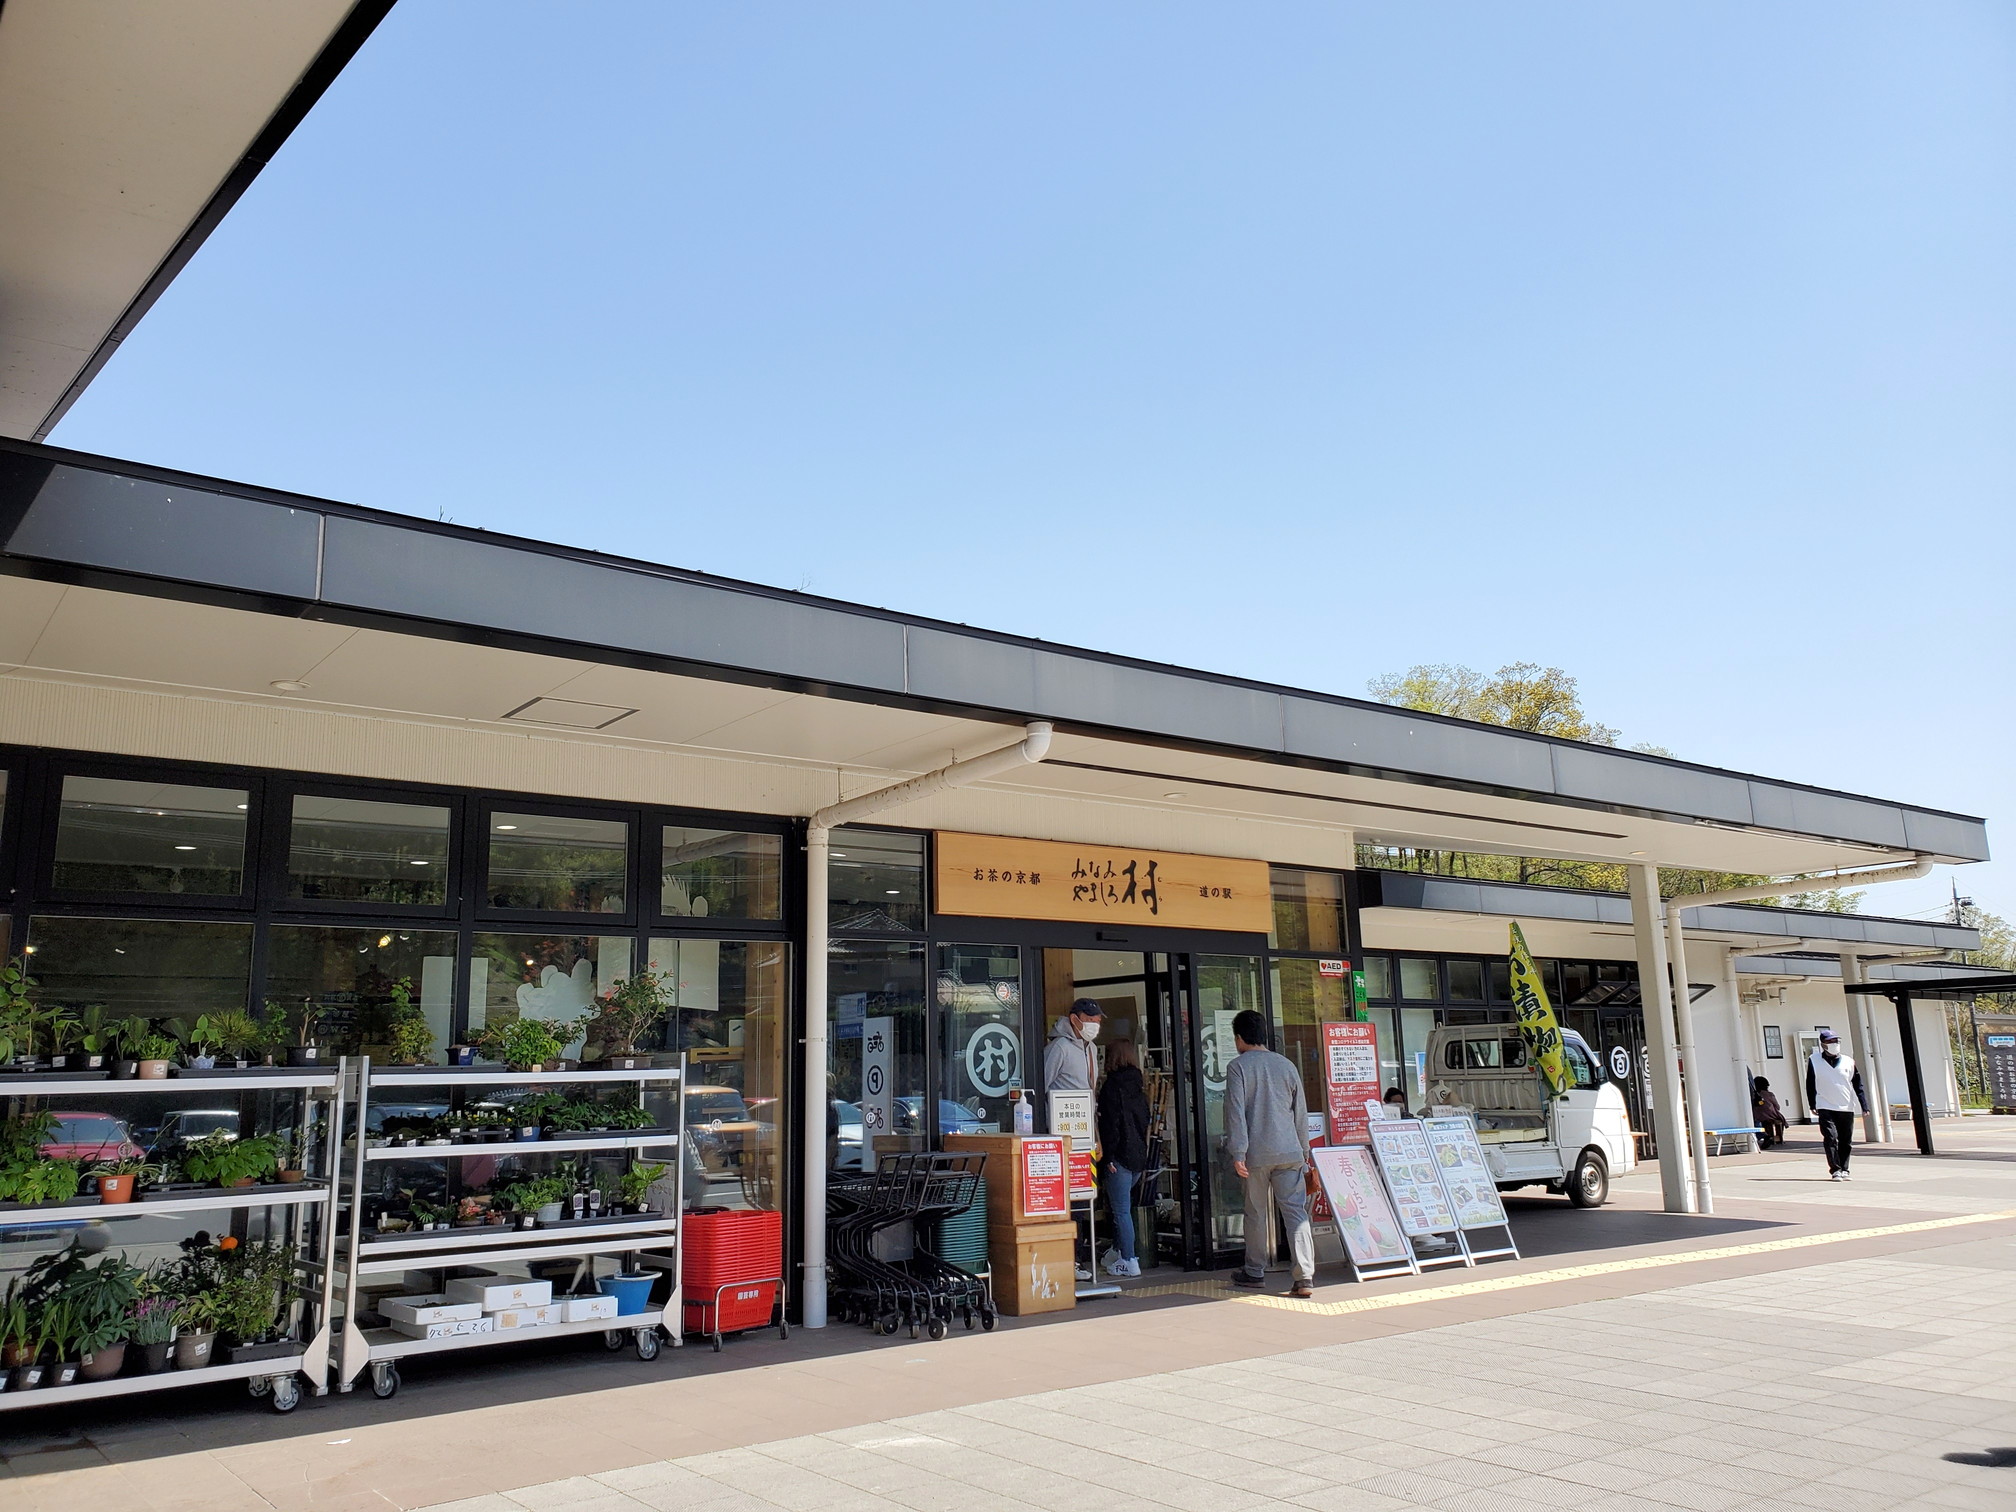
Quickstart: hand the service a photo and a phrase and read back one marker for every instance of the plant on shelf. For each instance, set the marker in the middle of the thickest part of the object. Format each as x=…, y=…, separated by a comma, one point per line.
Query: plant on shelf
x=20, y=1019
x=526, y=1044
x=290, y=1152
x=152, y=1320
x=536, y=1192
x=293, y=1029
x=634, y=1183
x=625, y=1116
x=16, y=1323
x=228, y=1160
x=120, y=1180
x=26, y=1174
x=410, y=1036
x=626, y=1013
x=234, y=1032
x=86, y=1034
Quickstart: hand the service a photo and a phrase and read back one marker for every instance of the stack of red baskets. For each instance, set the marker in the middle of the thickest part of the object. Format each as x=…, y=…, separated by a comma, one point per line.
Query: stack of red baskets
x=737, y=1253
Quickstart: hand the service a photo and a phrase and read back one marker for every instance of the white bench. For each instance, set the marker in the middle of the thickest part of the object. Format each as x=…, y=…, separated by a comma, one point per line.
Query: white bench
x=1718, y=1135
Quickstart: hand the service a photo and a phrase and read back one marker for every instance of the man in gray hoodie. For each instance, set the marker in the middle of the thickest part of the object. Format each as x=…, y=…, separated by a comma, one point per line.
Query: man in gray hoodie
x=1068, y=1062
x=1267, y=1141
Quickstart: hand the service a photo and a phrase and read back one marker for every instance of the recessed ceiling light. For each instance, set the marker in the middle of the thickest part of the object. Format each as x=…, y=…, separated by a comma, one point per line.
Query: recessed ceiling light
x=243, y=806
x=1637, y=853
x=185, y=847
x=419, y=863
x=383, y=941
x=288, y=686
x=839, y=855
x=895, y=891
x=507, y=826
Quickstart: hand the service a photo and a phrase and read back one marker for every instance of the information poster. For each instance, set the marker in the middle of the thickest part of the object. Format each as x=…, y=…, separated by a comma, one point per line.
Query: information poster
x=1464, y=1172
x=1350, y=1078
x=1365, y=1219
x=1409, y=1164
x=1071, y=1118
x=1045, y=1191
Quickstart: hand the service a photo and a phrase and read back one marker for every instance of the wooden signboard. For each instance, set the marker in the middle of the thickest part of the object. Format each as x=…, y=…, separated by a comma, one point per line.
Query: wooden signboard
x=1365, y=1218
x=1407, y=1161
x=997, y=877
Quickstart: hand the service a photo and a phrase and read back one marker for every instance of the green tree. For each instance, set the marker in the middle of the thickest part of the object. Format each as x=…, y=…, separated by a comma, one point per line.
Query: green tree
x=1520, y=696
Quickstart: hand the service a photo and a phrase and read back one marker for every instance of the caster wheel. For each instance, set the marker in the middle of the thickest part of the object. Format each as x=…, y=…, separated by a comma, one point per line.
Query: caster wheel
x=885, y=1326
x=612, y=1341
x=783, y=1330
x=286, y=1393
x=259, y=1386
x=937, y=1328
x=987, y=1321
x=913, y=1330
x=969, y=1320
x=384, y=1381
x=647, y=1344
x=717, y=1343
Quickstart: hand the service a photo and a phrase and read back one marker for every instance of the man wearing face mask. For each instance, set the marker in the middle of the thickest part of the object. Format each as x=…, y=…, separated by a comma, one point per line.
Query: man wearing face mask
x=1068, y=1064
x=1834, y=1092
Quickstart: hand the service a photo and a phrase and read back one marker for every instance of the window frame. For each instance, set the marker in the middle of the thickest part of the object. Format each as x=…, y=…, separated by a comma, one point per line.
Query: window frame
x=791, y=879
x=477, y=833
x=246, y=900
x=280, y=840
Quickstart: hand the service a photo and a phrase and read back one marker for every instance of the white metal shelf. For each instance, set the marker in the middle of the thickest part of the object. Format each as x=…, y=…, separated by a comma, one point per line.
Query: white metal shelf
x=263, y=1080
x=438, y=1241
x=521, y=1147
x=233, y=1197
x=380, y=1260
x=390, y=1344
x=463, y=1076
x=56, y=1396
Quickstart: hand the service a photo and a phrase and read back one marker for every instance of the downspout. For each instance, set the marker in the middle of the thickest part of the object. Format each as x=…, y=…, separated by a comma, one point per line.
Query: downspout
x=1683, y=1010
x=1033, y=747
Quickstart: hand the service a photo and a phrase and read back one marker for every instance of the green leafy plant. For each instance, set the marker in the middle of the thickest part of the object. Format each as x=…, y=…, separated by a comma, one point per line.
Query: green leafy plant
x=625, y=1116
x=20, y=1020
x=632, y=1185
x=535, y=1192
x=142, y=1170
x=152, y=1320
x=49, y=1329
x=411, y=1038
x=228, y=1160
x=130, y=1034
x=87, y=1030
x=524, y=1044
x=234, y=1031
x=41, y=1181
x=157, y=1046
x=197, y=1313
x=627, y=1012
x=23, y=1135
x=16, y=1321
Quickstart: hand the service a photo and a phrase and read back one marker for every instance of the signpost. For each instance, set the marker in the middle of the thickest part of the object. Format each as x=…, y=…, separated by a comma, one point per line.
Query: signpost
x=1413, y=1176
x=1373, y=1239
x=2000, y=1063
x=1459, y=1159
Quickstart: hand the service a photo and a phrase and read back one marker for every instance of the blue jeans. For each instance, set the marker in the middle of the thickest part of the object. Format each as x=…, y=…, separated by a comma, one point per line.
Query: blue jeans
x=1120, y=1207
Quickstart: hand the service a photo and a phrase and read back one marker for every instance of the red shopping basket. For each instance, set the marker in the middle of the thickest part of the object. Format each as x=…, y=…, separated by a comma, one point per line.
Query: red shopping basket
x=723, y=1245
x=744, y=1304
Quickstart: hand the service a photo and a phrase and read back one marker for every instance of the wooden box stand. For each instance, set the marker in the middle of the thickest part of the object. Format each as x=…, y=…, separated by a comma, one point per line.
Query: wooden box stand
x=1033, y=1256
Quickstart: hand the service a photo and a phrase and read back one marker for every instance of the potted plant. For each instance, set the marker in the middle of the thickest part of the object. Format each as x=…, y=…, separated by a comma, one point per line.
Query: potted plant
x=151, y=1329
x=228, y=1160
x=40, y=1182
x=120, y=1180
x=276, y=1034
x=52, y=1336
x=544, y=1197
x=410, y=1037
x=625, y=1014
x=524, y=1044
x=251, y=1298
x=156, y=1055
x=200, y=1041
x=100, y=1346
x=304, y=1025
x=195, y=1330
x=80, y=1040
x=23, y=1025
x=16, y=1326
x=234, y=1033
x=633, y=1185
x=289, y=1156
x=127, y=1035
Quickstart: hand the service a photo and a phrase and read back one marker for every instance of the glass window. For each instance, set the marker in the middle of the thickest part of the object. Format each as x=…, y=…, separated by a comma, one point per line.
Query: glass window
x=980, y=1032
x=1420, y=979
x=1577, y=978
x=1466, y=981
x=875, y=1053
x=118, y=836
x=1416, y=1024
x=1579, y=1067
x=1501, y=980
x=156, y=968
x=349, y=974
x=1226, y=987
x=552, y=977
x=728, y=1018
x=721, y=874
x=1379, y=978
x=552, y=864
x=356, y=851
x=1303, y=999
x=1308, y=910
x=877, y=882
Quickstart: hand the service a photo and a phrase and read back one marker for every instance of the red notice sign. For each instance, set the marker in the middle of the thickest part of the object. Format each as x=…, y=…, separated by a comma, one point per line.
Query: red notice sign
x=1350, y=1079
x=1045, y=1193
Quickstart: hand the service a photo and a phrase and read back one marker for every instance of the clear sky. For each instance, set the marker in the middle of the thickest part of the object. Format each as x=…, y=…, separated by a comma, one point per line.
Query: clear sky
x=1674, y=344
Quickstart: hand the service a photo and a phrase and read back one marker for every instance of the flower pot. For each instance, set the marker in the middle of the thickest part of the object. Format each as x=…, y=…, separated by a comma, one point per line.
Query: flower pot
x=242, y=1063
x=242, y=1181
x=528, y=1132
x=116, y=1188
x=202, y=1063
x=154, y=1357
x=192, y=1350
x=461, y=1055
x=14, y=1354
x=632, y=1293
x=26, y=1377
x=103, y=1365
x=550, y=1212
x=62, y=1373
x=304, y=1055
x=76, y=1060
x=290, y=1177
x=154, y=1070
x=625, y=1062
x=125, y=1070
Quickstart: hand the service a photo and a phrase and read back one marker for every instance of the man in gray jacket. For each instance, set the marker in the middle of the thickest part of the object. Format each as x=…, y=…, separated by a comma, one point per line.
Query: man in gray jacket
x=1267, y=1141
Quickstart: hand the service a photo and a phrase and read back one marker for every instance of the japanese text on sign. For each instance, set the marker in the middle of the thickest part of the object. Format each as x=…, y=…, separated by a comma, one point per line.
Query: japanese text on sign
x=994, y=876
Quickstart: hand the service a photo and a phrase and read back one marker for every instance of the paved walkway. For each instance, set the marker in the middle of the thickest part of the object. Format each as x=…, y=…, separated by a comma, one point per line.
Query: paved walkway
x=1813, y=1345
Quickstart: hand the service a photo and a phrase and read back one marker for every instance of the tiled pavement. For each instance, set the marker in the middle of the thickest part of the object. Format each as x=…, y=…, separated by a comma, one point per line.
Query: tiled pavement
x=1781, y=1363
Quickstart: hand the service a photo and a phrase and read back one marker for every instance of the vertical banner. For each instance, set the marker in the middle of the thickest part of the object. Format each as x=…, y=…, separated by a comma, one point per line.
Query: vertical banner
x=1537, y=1024
x=878, y=1075
x=1350, y=1078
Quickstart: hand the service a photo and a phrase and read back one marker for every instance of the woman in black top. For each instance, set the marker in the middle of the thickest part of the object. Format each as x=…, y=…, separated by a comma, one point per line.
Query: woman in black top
x=1123, y=1145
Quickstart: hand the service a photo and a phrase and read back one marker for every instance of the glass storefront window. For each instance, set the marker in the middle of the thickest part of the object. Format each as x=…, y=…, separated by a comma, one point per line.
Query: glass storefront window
x=349, y=974
x=1421, y=979
x=119, y=836
x=156, y=968
x=1308, y=910
x=1501, y=980
x=1226, y=987
x=1466, y=981
x=875, y=1055
x=1577, y=977
x=721, y=874
x=980, y=1036
x=728, y=1019
x=876, y=881
x=1379, y=978
x=548, y=863
x=553, y=977
x=1303, y=999
x=354, y=850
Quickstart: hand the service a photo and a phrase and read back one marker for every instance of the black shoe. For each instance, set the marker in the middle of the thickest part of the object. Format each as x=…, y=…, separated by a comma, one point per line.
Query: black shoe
x=1303, y=1290
x=1251, y=1283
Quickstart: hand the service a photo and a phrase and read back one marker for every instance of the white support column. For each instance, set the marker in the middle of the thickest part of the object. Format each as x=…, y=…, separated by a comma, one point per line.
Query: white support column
x=1656, y=992
x=1690, y=1062
x=817, y=1109
x=1867, y=1049
x=1740, y=1038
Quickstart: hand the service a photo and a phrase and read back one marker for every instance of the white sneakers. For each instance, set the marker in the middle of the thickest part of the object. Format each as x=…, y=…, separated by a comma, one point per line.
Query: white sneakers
x=1113, y=1265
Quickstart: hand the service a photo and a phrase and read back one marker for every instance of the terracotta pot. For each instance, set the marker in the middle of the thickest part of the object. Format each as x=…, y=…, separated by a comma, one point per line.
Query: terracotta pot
x=116, y=1188
x=103, y=1365
x=154, y=1070
x=242, y=1181
x=288, y=1178
x=192, y=1350
x=12, y=1355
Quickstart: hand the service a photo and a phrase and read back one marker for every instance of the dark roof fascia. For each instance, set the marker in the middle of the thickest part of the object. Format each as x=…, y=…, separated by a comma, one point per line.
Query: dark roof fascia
x=349, y=35
x=1949, y=972
x=1951, y=991
x=911, y=661
x=1421, y=890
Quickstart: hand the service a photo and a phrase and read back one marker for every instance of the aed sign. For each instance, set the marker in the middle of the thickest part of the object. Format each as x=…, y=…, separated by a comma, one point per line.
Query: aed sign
x=1333, y=968
x=999, y=877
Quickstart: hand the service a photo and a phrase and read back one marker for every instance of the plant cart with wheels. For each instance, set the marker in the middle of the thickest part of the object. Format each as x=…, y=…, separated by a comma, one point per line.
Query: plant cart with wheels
x=507, y=1264
x=275, y=1253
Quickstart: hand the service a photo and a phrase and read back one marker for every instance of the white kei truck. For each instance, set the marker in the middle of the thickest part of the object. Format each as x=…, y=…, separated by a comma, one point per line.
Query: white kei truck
x=1573, y=1143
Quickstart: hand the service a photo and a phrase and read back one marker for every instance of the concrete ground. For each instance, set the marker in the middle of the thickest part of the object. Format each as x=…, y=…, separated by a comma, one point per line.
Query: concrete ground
x=1843, y=1346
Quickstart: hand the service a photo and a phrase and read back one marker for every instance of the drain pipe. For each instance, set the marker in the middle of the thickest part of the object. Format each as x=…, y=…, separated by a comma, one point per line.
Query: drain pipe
x=1033, y=747
x=1683, y=1010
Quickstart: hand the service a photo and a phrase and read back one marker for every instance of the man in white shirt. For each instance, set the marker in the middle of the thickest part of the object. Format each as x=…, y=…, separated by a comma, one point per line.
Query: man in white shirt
x=1834, y=1093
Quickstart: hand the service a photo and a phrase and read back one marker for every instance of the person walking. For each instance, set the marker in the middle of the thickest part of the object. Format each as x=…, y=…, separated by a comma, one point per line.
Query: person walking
x=1835, y=1094
x=1123, y=1144
x=1267, y=1141
x=1068, y=1064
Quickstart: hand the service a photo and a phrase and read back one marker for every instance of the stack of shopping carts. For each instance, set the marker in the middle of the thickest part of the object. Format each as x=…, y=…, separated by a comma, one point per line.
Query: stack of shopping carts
x=883, y=1276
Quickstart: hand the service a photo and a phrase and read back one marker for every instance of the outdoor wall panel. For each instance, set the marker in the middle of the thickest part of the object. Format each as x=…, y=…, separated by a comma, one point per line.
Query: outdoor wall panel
x=1835, y=815
x=1398, y=741
x=971, y=669
x=1614, y=777
x=1940, y=835
x=1133, y=698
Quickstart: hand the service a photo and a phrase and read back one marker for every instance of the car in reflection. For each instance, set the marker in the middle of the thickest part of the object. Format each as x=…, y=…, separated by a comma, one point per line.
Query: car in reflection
x=719, y=1123
x=186, y=1124
x=906, y=1117
x=90, y=1136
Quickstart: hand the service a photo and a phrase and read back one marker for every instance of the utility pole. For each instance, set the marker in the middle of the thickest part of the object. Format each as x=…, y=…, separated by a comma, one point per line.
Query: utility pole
x=1959, y=916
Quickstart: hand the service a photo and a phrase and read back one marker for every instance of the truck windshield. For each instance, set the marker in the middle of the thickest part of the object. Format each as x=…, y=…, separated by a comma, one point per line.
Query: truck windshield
x=1485, y=1055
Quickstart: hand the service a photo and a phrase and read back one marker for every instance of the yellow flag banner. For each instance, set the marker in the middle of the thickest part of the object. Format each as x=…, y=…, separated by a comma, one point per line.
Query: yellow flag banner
x=1541, y=1030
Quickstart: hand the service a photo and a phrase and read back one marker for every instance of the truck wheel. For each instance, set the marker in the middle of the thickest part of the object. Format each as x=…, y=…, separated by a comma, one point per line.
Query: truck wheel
x=1589, y=1182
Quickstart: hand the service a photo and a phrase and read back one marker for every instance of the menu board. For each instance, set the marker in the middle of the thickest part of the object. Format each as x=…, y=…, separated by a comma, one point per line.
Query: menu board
x=1350, y=1078
x=1409, y=1165
x=1365, y=1218
x=1464, y=1172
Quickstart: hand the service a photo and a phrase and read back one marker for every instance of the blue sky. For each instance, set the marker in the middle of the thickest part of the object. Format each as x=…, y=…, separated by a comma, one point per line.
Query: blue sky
x=1671, y=344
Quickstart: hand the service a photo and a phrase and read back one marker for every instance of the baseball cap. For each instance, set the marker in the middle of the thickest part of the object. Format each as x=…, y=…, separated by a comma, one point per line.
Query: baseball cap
x=1086, y=1008
x=1828, y=1036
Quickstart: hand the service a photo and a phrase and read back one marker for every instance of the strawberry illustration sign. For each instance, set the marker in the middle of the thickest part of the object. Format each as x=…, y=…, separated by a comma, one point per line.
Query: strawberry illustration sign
x=1000, y=877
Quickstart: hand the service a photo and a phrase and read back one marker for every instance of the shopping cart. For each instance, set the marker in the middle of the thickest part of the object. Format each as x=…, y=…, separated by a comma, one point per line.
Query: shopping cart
x=884, y=1277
